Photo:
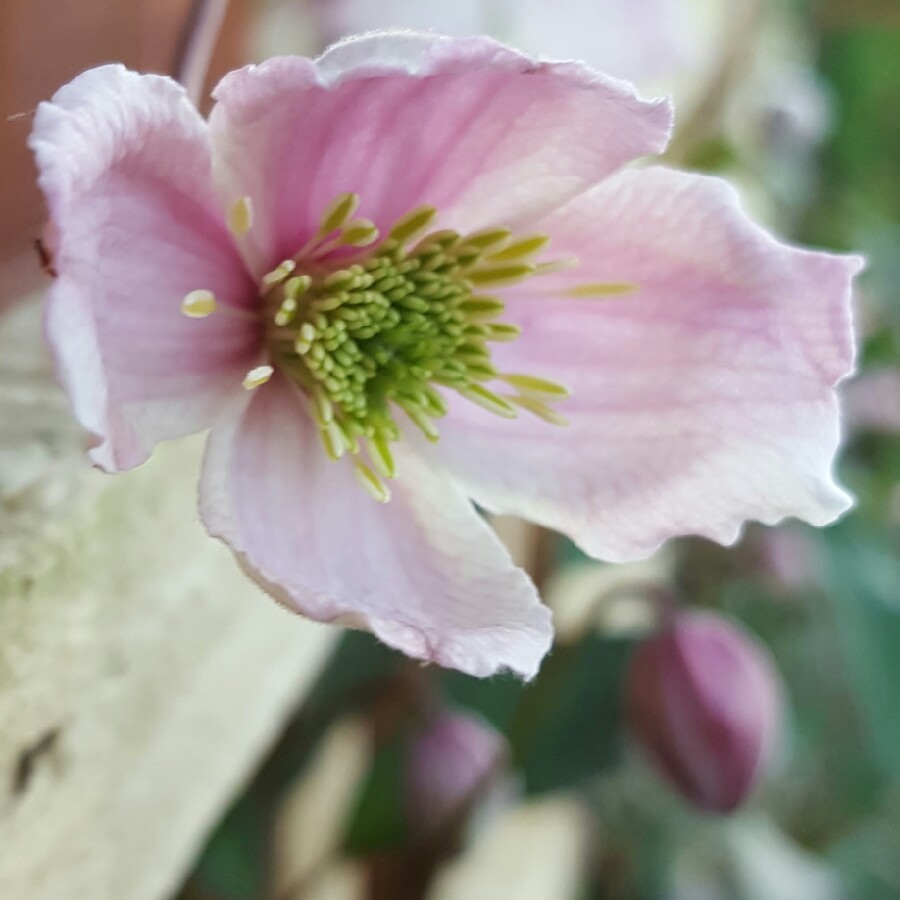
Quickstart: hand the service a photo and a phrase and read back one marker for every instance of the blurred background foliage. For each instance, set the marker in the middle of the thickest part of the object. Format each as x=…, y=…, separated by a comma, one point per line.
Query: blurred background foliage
x=800, y=108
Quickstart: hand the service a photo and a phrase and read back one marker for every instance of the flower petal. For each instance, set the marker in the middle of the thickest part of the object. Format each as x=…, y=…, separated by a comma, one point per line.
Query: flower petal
x=124, y=164
x=701, y=400
x=423, y=572
x=483, y=133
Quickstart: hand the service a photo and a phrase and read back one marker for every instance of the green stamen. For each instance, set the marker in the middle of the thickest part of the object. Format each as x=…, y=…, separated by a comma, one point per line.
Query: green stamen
x=381, y=339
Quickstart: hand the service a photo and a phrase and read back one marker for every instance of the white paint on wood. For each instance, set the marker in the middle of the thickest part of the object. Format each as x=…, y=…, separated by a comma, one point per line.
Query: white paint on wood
x=142, y=676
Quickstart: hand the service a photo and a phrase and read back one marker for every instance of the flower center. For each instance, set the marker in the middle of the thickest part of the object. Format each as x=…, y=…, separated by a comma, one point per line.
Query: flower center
x=375, y=331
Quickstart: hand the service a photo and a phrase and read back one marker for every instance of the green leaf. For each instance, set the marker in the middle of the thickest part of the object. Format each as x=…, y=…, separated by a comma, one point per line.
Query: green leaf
x=863, y=574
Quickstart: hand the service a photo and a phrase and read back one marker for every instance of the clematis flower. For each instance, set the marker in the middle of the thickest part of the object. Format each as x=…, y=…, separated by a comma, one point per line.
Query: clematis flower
x=411, y=272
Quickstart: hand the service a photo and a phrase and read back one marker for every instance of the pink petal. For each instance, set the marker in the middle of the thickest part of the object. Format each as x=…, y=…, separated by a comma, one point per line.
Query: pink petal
x=423, y=572
x=125, y=167
x=702, y=400
x=479, y=131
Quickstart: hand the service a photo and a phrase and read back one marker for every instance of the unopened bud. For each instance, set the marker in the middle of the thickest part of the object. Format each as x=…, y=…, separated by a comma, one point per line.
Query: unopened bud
x=703, y=699
x=454, y=760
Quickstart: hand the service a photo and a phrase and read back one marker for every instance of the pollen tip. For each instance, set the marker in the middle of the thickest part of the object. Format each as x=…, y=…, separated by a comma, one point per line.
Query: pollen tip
x=199, y=304
x=500, y=276
x=337, y=213
x=520, y=249
x=556, y=265
x=413, y=224
x=490, y=401
x=359, y=233
x=602, y=289
x=278, y=274
x=256, y=377
x=370, y=482
x=540, y=409
x=333, y=440
x=240, y=216
x=540, y=387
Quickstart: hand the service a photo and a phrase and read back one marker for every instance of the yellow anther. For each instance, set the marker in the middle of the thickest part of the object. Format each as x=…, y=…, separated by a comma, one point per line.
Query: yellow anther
x=501, y=332
x=556, y=265
x=255, y=377
x=381, y=456
x=240, y=216
x=372, y=484
x=279, y=273
x=349, y=436
x=434, y=402
x=602, y=289
x=489, y=238
x=199, y=304
x=359, y=233
x=528, y=384
x=539, y=409
x=286, y=312
x=338, y=212
x=322, y=406
x=296, y=287
x=500, y=276
x=421, y=420
x=521, y=248
x=489, y=400
x=392, y=329
x=442, y=239
x=413, y=224
x=333, y=440
x=482, y=307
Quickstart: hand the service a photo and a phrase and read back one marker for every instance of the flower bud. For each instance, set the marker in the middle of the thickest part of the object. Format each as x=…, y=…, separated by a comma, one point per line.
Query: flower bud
x=452, y=761
x=703, y=700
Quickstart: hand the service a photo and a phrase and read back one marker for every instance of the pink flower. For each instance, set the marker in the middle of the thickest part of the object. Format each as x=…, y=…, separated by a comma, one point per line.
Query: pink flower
x=700, y=353
x=704, y=702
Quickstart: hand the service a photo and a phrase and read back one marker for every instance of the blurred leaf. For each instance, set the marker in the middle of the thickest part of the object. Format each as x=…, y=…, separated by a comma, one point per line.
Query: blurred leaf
x=378, y=822
x=568, y=728
x=495, y=698
x=871, y=857
x=863, y=573
x=712, y=155
x=765, y=864
x=233, y=864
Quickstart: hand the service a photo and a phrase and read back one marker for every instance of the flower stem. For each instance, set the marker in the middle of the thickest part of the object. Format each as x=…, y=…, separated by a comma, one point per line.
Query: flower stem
x=196, y=45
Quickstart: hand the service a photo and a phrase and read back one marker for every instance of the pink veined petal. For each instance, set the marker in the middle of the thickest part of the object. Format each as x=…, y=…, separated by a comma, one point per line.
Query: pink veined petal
x=704, y=399
x=125, y=166
x=483, y=133
x=423, y=572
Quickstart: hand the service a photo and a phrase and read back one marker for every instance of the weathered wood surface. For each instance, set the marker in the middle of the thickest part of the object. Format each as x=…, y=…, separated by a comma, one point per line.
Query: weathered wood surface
x=141, y=675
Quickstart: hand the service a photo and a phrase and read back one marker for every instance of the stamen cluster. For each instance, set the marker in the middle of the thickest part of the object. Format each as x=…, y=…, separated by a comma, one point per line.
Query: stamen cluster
x=369, y=327
x=382, y=333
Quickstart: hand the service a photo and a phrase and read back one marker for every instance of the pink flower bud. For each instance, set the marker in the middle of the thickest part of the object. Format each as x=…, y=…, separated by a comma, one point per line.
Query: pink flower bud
x=453, y=760
x=703, y=699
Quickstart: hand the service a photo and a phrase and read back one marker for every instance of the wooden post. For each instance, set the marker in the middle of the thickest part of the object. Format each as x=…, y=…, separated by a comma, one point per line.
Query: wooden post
x=142, y=675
